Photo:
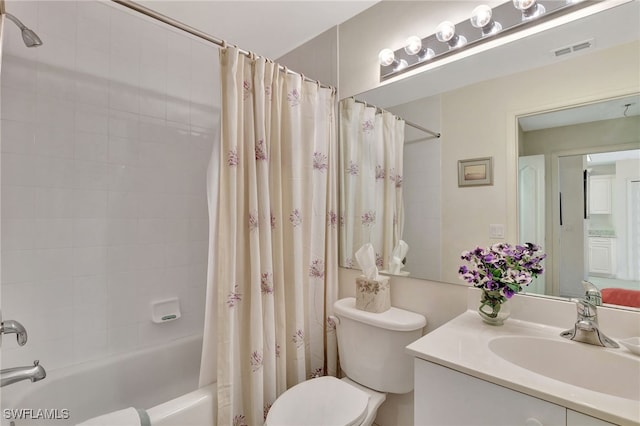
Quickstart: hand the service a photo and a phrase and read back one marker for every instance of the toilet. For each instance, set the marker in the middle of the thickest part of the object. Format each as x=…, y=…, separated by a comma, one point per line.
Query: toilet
x=371, y=348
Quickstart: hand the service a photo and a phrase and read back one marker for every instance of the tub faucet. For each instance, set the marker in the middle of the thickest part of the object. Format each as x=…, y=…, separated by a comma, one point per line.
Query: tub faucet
x=586, y=328
x=17, y=374
x=11, y=326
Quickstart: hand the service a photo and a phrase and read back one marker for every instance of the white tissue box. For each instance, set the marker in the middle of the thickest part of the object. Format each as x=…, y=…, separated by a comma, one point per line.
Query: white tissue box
x=373, y=295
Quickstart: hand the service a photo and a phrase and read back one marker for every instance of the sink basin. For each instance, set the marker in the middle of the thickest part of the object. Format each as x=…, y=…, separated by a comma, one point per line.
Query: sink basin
x=579, y=364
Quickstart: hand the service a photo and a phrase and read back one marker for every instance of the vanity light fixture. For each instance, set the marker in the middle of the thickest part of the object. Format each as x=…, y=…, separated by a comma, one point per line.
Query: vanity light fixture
x=450, y=39
x=482, y=17
x=530, y=9
x=413, y=46
x=388, y=58
x=446, y=33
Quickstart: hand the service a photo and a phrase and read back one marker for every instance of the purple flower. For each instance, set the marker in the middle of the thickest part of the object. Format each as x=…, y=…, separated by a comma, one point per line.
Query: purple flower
x=502, y=269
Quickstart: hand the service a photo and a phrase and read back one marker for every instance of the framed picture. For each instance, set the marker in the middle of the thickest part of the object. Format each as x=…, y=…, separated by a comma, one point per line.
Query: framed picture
x=475, y=172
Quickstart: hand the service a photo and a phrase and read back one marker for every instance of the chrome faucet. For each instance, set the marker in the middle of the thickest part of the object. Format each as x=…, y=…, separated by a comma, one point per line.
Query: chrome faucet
x=17, y=374
x=11, y=326
x=586, y=328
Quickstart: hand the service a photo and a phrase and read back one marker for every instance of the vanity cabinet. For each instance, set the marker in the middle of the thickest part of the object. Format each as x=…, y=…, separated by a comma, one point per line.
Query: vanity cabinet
x=600, y=190
x=447, y=397
x=602, y=255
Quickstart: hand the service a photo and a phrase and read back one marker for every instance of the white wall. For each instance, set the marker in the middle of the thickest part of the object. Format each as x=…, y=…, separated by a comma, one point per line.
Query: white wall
x=107, y=130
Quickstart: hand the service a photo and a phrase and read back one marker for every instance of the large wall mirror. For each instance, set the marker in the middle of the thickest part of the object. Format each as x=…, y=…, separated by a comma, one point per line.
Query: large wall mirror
x=579, y=192
x=427, y=172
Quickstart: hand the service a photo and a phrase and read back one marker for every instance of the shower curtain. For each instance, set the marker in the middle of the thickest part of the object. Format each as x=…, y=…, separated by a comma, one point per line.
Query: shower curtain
x=276, y=275
x=371, y=185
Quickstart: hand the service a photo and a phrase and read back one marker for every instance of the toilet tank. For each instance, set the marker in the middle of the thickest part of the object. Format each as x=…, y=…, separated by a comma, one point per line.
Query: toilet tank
x=371, y=346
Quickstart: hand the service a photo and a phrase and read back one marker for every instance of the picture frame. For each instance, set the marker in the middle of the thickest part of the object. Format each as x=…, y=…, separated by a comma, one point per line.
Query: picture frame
x=475, y=172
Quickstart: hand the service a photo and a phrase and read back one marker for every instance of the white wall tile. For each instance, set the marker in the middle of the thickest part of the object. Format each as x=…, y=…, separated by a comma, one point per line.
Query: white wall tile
x=54, y=202
x=55, y=112
x=54, y=172
x=123, y=125
x=57, y=84
x=58, y=18
x=53, y=263
x=92, y=64
x=18, y=202
x=123, y=151
x=17, y=137
x=93, y=25
x=92, y=119
x=19, y=74
x=90, y=289
x=18, y=169
x=18, y=234
x=53, y=233
x=90, y=261
x=91, y=232
x=90, y=175
x=107, y=133
x=89, y=204
x=18, y=105
x=91, y=146
x=54, y=141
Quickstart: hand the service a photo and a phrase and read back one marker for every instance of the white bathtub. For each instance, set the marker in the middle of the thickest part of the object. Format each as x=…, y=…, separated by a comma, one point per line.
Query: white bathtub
x=146, y=379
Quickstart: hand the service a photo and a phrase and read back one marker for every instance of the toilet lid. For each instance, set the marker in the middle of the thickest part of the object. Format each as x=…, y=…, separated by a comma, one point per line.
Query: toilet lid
x=324, y=401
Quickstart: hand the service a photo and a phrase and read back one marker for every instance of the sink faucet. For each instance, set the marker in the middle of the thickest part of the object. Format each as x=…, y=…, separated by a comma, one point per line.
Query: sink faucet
x=586, y=329
x=17, y=374
x=11, y=326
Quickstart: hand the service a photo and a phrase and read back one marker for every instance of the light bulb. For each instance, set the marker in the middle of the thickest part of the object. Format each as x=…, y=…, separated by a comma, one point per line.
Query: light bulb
x=481, y=18
x=530, y=8
x=413, y=45
x=386, y=57
x=445, y=31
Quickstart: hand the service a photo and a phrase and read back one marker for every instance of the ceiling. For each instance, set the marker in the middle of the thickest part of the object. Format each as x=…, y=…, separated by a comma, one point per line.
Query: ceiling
x=268, y=28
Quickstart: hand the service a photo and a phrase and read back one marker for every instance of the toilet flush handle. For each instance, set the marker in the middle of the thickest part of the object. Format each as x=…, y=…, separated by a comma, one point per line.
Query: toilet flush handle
x=334, y=320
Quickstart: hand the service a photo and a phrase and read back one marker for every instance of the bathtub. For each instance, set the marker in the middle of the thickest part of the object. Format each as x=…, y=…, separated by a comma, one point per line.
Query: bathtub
x=151, y=378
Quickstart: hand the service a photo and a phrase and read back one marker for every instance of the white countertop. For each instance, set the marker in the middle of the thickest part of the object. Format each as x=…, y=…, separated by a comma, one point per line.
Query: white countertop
x=462, y=345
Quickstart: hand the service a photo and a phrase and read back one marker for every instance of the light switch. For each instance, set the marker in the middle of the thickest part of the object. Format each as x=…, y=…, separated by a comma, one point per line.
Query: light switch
x=496, y=231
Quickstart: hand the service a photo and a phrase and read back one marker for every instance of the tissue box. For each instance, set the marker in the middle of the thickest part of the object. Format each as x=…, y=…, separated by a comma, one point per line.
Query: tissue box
x=373, y=295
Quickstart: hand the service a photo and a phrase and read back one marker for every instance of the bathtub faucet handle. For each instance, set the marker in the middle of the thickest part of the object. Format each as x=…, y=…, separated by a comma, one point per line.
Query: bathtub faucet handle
x=12, y=326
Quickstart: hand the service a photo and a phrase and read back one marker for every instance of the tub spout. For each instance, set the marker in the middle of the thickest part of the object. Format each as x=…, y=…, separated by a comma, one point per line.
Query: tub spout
x=17, y=374
x=11, y=326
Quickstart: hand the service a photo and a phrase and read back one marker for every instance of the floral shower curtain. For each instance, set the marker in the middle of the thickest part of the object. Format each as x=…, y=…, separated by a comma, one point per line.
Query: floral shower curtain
x=277, y=236
x=371, y=184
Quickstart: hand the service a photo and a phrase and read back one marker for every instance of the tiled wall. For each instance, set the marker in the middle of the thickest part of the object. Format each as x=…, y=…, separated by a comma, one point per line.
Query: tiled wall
x=107, y=130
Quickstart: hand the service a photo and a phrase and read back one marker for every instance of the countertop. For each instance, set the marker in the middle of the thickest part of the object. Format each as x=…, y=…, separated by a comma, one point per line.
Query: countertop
x=462, y=344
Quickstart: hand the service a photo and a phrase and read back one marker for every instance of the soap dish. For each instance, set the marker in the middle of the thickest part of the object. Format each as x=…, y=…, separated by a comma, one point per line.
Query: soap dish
x=632, y=343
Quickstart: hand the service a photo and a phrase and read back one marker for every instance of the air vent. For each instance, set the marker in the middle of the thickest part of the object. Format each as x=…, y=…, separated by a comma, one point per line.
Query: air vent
x=587, y=44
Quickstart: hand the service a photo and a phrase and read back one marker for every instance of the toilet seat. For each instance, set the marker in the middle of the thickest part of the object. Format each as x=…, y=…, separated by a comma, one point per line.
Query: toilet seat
x=324, y=401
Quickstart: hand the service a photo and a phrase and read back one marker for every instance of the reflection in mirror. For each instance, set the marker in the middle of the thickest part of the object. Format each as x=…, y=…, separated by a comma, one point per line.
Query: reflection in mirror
x=370, y=182
x=579, y=193
x=390, y=188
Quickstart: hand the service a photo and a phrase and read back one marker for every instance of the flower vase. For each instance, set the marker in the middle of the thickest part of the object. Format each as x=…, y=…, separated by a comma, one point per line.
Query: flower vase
x=494, y=308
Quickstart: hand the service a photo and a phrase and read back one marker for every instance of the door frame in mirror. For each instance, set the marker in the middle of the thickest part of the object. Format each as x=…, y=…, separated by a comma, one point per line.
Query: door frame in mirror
x=513, y=154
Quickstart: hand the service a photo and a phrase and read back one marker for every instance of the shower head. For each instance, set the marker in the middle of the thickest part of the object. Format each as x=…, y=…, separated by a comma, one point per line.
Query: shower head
x=29, y=37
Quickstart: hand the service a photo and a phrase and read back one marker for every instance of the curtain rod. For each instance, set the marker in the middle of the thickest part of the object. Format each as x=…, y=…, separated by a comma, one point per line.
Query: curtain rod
x=200, y=34
x=435, y=135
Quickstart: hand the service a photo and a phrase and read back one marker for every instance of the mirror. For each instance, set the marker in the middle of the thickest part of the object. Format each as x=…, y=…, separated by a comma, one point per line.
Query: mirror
x=579, y=192
x=477, y=103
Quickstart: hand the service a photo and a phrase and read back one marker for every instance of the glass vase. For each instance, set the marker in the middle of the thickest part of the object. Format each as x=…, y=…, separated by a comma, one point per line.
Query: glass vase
x=494, y=308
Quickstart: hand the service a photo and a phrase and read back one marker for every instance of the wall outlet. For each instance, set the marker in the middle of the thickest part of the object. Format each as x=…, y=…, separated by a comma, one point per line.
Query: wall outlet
x=496, y=231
